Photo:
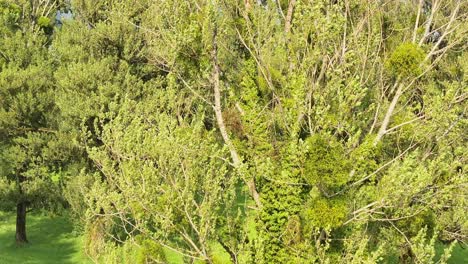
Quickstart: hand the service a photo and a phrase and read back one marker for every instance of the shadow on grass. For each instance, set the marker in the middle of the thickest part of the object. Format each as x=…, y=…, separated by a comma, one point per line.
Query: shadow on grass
x=50, y=241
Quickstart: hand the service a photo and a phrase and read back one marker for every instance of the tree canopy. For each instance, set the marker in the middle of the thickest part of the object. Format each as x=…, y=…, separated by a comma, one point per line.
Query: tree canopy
x=266, y=131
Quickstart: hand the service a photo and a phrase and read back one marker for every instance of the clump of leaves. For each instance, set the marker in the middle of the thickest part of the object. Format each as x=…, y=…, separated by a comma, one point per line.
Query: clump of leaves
x=405, y=60
x=44, y=22
x=324, y=213
x=9, y=13
x=150, y=252
x=326, y=164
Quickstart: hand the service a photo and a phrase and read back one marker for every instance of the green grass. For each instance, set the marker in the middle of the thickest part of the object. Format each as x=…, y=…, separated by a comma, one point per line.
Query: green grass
x=459, y=254
x=51, y=241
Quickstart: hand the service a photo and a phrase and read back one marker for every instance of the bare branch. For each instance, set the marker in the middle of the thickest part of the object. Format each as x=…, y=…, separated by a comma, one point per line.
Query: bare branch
x=219, y=118
x=404, y=123
x=389, y=113
x=289, y=16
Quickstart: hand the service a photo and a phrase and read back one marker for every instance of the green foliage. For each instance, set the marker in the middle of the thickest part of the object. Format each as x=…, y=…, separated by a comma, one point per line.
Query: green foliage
x=280, y=224
x=324, y=213
x=405, y=61
x=150, y=252
x=159, y=122
x=10, y=14
x=326, y=164
x=44, y=22
x=365, y=158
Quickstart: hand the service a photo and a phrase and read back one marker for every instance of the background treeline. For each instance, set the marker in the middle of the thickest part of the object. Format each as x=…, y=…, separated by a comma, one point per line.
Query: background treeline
x=239, y=131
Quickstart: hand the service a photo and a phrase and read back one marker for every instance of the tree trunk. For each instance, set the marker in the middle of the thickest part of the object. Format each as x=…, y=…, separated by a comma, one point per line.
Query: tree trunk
x=236, y=160
x=289, y=16
x=21, y=223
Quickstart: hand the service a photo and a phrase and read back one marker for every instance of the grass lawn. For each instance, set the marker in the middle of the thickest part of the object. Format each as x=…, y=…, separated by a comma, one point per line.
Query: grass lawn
x=459, y=254
x=51, y=241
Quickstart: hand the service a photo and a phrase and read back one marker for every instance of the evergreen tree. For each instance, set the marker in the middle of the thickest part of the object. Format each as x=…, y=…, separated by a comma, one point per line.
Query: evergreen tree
x=34, y=151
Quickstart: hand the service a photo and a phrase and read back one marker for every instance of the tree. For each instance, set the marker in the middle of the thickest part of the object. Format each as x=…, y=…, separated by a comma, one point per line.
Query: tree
x=33, y=151
x=280, y=131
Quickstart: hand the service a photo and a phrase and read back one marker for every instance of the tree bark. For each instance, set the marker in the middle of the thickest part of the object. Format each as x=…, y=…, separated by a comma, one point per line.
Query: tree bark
x=388, y=114
x=21, y=223
x=237, y=162
x=289, y=16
